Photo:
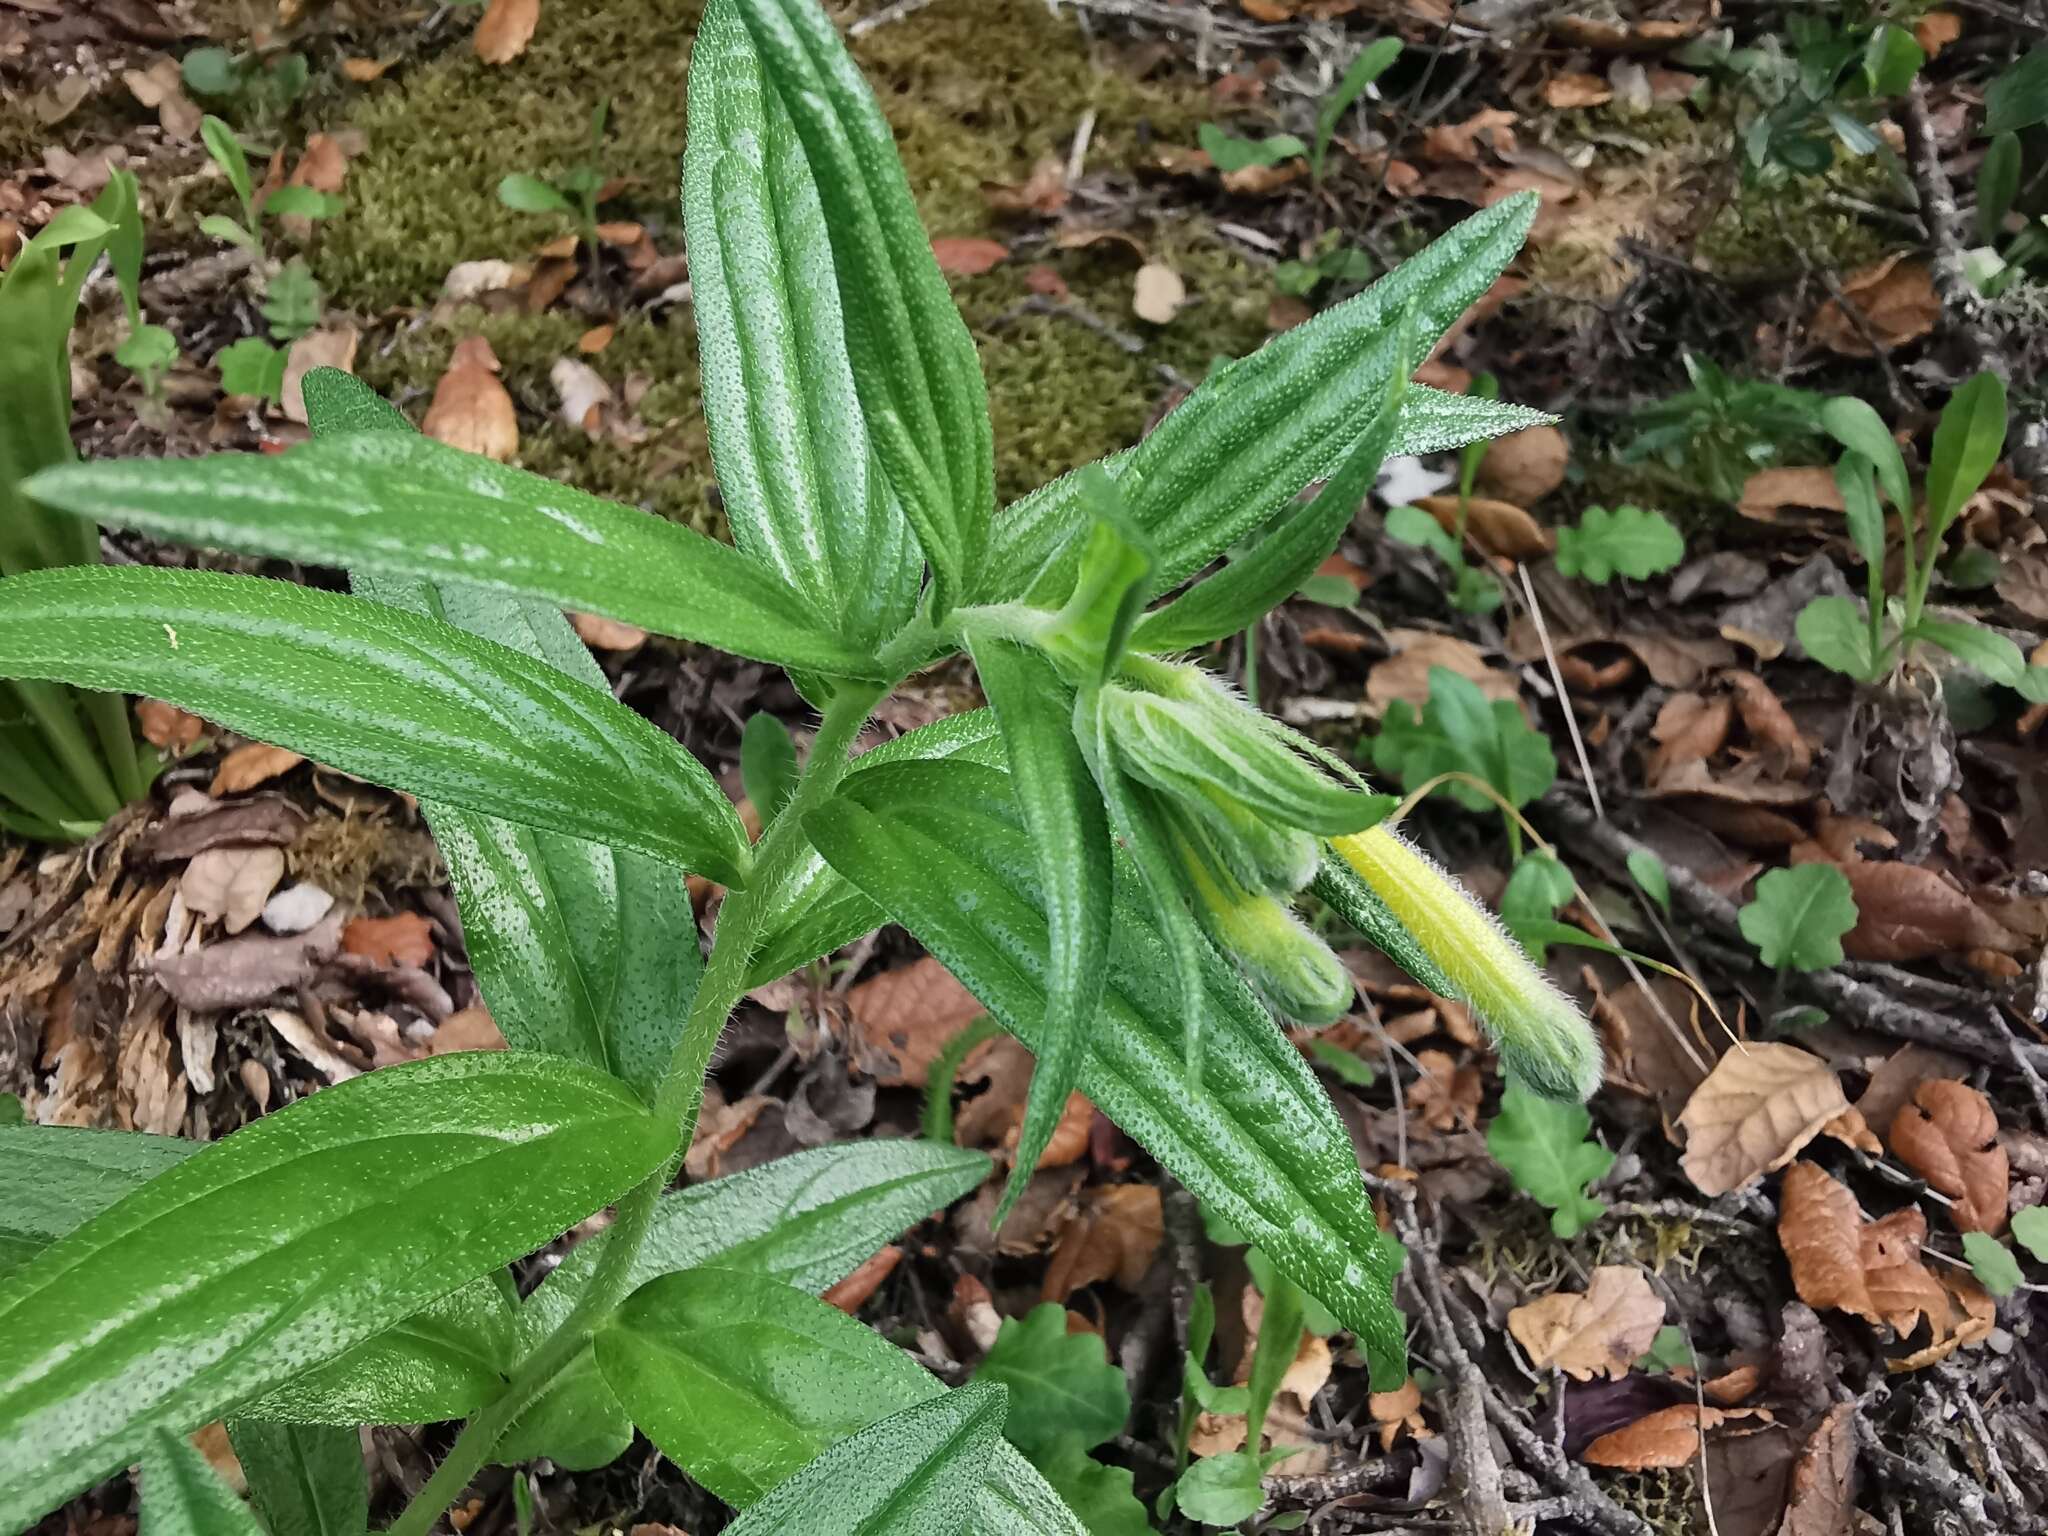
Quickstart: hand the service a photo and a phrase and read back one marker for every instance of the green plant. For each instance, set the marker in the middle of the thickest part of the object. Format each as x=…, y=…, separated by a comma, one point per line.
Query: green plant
x=1625, y=542
x=1228, y=153
x=574, y=194
x=1798, y=917
x=1993, y=1264
x=265, y=84
x=1868, y=644
x=1722, y=430
x=2016, y=102
x=1473, y=588
x=68, y=760
x=1544, y=1147
x=1106, y=857
x=1371, y=61
x=1460, y=730
x=1328, y=261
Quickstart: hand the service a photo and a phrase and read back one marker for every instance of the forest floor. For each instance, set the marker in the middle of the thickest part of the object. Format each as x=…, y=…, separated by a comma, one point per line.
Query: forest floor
x=1789, y=1294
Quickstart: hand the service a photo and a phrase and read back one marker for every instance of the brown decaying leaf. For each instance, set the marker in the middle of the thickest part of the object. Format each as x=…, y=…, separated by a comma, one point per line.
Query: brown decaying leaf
x=1936, y=30
x=471, y=410
x=1770, y=491
x=232, y=884
x=1822, y=1494
x=1762, y=1102
x=470, y=1029
x=1526, y=466
x=1896, y=300
x=1044, y=191
x=903, y=1018
x=603, y=634
x=1397, y=1413
x=1446, y=1096
x=242, y=972
x=1491, y=126
x=1604, y=1329
x=1497, y=527
x=1111, y=1237
x=334, y=347
x=1689, y=729
x=252, y=764
x=1949, y=1136
x=323, y=166
x=1819, y=1228
x=405, y=938
x=995, y=1117
x=1157, y=293
x=1670, y=1437
x=1405, y=674
x=850, y=1294
x=506, y=29
x=968, y=255
x=1769, y=724
x=719, y=1126
x=1909, y=912
x=1566, y=90
x=167, y=727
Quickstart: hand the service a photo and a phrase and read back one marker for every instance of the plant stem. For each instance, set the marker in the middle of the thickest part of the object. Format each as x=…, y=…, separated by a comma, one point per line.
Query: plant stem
x=480, y=1436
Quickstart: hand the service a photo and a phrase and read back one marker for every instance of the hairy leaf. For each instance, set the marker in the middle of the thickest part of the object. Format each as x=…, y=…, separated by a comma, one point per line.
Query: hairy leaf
x=54, y=1177
x=1064, y=1392
x=305, y=1480
x=183, y=1496
x=1543, y=1146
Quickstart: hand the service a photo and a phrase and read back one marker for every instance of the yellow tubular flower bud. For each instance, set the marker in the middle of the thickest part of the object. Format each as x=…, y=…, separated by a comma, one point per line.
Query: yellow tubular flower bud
x=1296, y=972
x=1540, y=1034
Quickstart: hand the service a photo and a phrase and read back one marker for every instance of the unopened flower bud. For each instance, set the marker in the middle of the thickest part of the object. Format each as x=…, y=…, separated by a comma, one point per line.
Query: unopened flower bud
x=1541, y=1036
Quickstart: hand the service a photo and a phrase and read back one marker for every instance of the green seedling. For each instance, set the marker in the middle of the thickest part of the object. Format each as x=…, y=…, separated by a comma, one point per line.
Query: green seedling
x=1715, y=435
x=575, y=194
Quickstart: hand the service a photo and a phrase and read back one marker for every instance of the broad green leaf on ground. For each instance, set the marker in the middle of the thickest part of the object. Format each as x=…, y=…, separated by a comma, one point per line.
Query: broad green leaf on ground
x=1535, y=891
x=1544, y=1147
x=914, y=366
x=1856, y=425
x=305, y=1480
x=183, y=1496
x=1667, y=1352
x=389, y=696
x=2019, y=97
x=1627, y=541
x=1648, y=872
x=444, y=1362
x=572, y=941
x=1462, y=731
x=1101, y=1497
x=398, y=504
x=291, y=1241
x=52, y=1178
x=915, y=1473
x=796, y=474
x=1967, y=442
x=1227, y=152
x=768, y=770
x=1836, y=634
x=806, y=1220
x=1993, y=1264
x=1063, y=1390
x=2030, y=1230
x=1070, y=829
x=1798, y=916
x=1241, y=447
x=941, y=846
x=1222, y=1490
x=741, y=1380
x=1972, y=644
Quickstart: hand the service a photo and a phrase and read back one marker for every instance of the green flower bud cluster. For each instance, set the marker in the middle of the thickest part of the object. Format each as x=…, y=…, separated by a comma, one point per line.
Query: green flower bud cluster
x=1234, y=805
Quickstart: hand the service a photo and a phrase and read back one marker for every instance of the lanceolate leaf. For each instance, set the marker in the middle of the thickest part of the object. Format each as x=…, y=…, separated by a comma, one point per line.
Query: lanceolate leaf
x=398, y=504
x=573, y=942
x=391, y=697
x=52, y=1178
x=805, y=1220
x=794, y=465
x=1064, y=814
x=183, y=1496
x=306, y=1480
x=914, y=365
x=915, y=1473
x=290, y=1241
x=1238, y=449
x=741, y=1382
x=942, y=848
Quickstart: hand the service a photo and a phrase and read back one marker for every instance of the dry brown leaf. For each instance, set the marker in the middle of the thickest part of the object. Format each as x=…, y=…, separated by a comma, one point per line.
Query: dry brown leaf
x=1769, y=723
x=404, y=938
x=1526, y=466
x=1670, y=1437
x=596, y=339
x=468, y=1029
x=1732, y=1387
x=506, y=29
x=1044, y=191
x=903, y=1018
x=323, y=166
x=1822, y=1495
x=1446, y=1096
x=1113, y=1236
x=968, y=256
x=1497, y=527
x=232, y=884
x=719, y=1127
x=1157, y=293
x=587, y=401
x=364, y=71
x=471, y=409
x=1567, y=90
x=1405, y=674
x=1762, y=1102
x=1909, y=912
x=162, y=87
x=167, y=727
x=1397, y=1413
x=1949, y=1136
x=252, y=764
x=1936, y=30
x=1492, y=126
x=603, y=634
x=1851, y=1130
x=1896, y=300
x=1820, y=1229
x=1770, y=491
x=1689, y=730
x=850, y=1294
x=1604, y=1329
x=333, y=348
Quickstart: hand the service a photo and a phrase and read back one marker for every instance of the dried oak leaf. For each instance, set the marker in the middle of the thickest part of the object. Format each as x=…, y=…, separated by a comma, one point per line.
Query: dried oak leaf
x=1949, y=1136
x=1820, y=1229
x=1896, y=300
x=405, y=938
x=1112, y=1236
x=471, y=410
x=1909, y=912
x=1446, y=1096
x=1497, y=527
x=1762, y=1102
x=1822, y=1494
x=1670, y=1437
x=506, y=29
x=903, y=1018
x=249, y=765
x=1606, y=1328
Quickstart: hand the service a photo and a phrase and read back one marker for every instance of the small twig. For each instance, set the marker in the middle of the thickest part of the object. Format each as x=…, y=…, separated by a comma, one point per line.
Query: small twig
x=887, y=15
x=2019, y=1056
x=1564, y=697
